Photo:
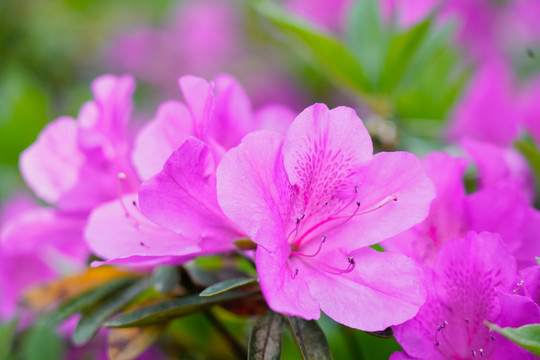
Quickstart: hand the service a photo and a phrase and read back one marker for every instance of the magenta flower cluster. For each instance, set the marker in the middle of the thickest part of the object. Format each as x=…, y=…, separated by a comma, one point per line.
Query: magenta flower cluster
x=308, y=190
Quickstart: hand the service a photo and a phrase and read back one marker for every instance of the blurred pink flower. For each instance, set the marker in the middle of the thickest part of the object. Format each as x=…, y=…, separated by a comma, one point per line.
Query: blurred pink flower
x=328, y=14
x=177, y=216
x=499, y=208
x=472, y=281
x=488, y=109
x=314, y=201
x=74, y=164
x=37, y=245
x=486, y=28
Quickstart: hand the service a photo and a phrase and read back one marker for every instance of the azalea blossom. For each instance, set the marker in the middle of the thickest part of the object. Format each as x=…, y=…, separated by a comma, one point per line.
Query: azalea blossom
x=314, y=200
x=500, y=208
x=37, y=245
x=175, y=216
x=74, y=164
x=472, y=281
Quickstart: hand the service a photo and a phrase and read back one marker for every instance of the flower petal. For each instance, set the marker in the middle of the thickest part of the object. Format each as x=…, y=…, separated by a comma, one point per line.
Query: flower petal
x=156, y=141
x=284, y=291
x=117, y=230
x=182, y=197
x=253, y=189
x=384, y=289
x=397, y=175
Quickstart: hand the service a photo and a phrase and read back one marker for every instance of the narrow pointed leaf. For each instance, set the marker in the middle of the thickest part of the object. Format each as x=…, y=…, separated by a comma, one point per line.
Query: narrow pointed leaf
x=86, y=300
x=91, y=321
x=42, y=343
x=538, y=260
x=327, y=53
x=266, y=337
x=7, y=336
x=127, y=344
x=400, y=52
x=171, y=309
x=226, y=285
x=309, y=339
x=42, y=298
x=527, y=336
x=166, y=278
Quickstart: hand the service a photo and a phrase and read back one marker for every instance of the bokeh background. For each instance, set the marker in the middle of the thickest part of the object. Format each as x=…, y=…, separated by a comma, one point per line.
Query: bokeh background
x=407, y=75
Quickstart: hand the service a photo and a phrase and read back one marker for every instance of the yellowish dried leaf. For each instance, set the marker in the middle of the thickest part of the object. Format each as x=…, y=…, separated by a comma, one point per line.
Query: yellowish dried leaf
x=128, y=343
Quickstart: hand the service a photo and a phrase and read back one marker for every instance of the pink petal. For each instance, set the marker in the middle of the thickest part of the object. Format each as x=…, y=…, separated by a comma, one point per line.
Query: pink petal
x=199, y=96
x=397, y=175
x=322, y=141
x=447, y=216
x=253, y=190
x=51, y=165
x=118, y=230
x=182, y=197
x=384, y=289
x=487, y=111
x=233, y=112
x=156, y=141
x=282, y=292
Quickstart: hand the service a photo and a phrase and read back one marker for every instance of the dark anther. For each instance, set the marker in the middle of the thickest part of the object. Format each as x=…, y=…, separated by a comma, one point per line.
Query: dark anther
x=142, y=244
x=492, y=338
x=481, y=352
x=355, y=188
x=437, y=343
x=358, y=203
x=326, y=203
x=324, y=238
x=300, y=219
x=473, y=353
x=443, y=325
x=351, y=260
x=467, y=320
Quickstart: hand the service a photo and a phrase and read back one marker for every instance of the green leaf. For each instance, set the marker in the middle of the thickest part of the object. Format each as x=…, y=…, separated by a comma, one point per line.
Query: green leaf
x=42, y=343
x=529, y=150
x=171, y=309
x=91, y=320
x=165, y=278
x=327, y=53
x=245, y=244
x=86, y=300
x=309, y=339
x=538, y=260
x=226, y=285
x=527, y=336
x=400, y=52
x=368, y=38
x=266, y=337
x=7, y=335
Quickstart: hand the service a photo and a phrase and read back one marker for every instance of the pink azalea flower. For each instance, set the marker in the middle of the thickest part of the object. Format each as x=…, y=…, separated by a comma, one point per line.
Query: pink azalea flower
x=37, y=244
x=472, y=281
x=500, y=164
x=485, y=28
x=177, y=216
x=500, y=208
x=314, y=201
x=74, y=164
x=487, y=111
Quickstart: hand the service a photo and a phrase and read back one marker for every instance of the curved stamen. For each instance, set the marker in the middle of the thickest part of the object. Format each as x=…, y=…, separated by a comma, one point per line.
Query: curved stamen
x=314, y=254
x=137, y=220
x=346, y=218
